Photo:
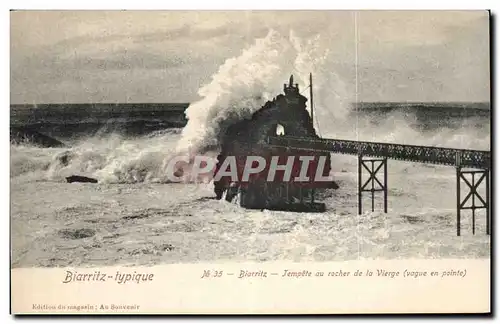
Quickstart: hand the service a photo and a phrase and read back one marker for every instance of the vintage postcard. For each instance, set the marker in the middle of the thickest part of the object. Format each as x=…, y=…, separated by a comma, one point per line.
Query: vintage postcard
x=250, y=162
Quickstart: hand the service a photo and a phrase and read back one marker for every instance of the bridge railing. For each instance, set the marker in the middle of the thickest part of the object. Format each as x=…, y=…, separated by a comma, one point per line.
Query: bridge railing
x=412, y=153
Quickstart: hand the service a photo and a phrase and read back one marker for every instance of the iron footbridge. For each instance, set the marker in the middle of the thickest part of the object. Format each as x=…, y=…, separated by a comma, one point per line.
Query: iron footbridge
x=373, y=157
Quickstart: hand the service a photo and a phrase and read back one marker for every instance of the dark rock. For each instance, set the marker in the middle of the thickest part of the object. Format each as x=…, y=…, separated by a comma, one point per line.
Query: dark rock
x=332, y=185
x=64, y=158
x=286, y=115
x=167, y=247
x=76, y=178
x=136, y=216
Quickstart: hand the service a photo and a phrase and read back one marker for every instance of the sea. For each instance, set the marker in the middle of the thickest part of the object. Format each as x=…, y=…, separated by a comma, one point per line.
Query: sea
x=133, y=216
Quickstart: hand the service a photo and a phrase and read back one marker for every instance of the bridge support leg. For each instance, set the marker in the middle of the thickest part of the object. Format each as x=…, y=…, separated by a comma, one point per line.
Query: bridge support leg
x=472, y=185
x=458, y=201
x=488, y=209
x=370, y=164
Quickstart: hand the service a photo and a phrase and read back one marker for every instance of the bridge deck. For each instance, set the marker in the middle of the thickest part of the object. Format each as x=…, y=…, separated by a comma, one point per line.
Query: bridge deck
x=413, y=153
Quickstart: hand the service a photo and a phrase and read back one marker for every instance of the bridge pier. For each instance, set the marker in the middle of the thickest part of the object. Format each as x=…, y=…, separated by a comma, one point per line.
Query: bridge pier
x=472, y=185
x=459, y=158
x=376, y=185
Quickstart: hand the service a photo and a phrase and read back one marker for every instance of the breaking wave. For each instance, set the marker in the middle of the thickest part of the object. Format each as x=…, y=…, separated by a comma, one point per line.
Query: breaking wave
x=243, y=84
x=111, y=159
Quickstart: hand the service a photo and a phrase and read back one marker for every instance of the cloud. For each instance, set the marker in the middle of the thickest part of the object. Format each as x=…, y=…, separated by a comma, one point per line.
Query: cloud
x=167, y=56
x=454, y=69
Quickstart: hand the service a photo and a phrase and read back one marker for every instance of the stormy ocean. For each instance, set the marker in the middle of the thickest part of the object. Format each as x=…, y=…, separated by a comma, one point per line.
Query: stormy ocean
x=134, y=216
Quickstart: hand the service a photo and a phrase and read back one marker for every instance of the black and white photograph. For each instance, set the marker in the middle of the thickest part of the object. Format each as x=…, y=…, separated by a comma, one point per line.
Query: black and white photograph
x=144, y=138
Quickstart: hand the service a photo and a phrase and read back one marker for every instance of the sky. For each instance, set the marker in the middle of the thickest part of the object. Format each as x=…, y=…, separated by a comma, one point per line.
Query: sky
x=166, y=56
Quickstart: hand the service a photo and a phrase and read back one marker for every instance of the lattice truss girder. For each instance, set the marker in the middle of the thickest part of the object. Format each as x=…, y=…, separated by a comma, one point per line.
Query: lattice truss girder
x=412, y=153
